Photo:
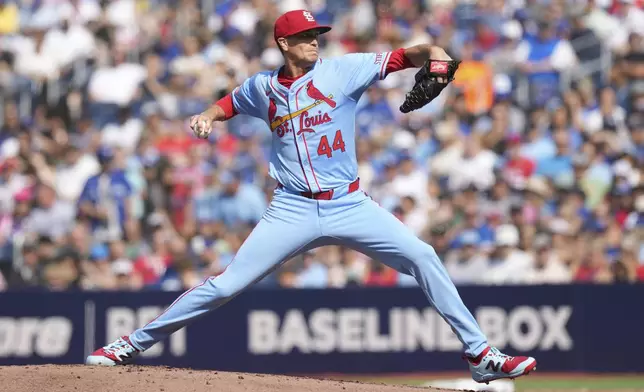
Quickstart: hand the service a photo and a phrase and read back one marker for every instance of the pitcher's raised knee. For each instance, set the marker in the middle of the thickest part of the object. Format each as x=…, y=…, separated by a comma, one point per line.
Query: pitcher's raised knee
x=424, y=254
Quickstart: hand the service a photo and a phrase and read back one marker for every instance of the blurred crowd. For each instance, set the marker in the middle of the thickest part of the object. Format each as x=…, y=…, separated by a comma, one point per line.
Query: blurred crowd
x=528, y=169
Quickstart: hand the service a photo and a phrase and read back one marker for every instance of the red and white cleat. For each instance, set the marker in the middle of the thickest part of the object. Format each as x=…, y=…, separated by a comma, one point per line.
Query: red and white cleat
x=119, y=352
x=492, y=365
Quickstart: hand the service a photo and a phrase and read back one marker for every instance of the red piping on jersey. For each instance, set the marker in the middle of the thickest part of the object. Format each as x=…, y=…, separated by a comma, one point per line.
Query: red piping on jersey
x=384, y=64
x=311, y=163
x=270, y=81
x=297, y=107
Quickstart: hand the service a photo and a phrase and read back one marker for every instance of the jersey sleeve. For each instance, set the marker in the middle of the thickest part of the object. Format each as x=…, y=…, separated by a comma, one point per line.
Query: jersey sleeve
x=246, y=97
x=361, y=70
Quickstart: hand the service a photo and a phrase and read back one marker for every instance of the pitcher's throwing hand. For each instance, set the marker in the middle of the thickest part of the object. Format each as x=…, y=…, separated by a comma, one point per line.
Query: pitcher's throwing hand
x=201, y=126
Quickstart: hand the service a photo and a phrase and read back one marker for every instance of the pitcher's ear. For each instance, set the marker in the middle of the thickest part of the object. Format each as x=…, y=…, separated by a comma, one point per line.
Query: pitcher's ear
x=282, y=44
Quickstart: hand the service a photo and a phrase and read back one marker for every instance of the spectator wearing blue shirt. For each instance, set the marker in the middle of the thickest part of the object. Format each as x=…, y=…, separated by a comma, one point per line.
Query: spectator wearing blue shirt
x=106, y=199
x=238, y=203
x=561, y=163
x=375, y=113
x=167, y=47
x=562, y=121
x=314, y=274
x=473, y=223
x=51, y=217
x=543, y=57
x=205, y=201
x=247, y=160
x=539, y=145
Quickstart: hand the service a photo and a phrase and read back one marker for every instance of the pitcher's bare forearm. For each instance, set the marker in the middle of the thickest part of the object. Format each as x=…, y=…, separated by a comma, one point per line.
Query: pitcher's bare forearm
x=215, y=113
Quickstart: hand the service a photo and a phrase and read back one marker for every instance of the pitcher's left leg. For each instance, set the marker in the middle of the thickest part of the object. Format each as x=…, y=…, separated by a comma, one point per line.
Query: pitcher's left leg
x=362, y=224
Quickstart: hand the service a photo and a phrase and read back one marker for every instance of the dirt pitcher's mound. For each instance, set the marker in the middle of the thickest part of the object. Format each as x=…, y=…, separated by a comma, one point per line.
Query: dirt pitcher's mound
x=52, y=378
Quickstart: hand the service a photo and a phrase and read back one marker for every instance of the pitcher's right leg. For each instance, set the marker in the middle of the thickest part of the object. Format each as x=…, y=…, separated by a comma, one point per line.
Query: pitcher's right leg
x=289, y=225
x=361, y=224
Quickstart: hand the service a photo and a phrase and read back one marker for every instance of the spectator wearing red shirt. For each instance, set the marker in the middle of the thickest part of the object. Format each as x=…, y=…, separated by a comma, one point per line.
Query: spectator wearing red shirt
x=518, y=168
x=152, y=266
x=381, y=276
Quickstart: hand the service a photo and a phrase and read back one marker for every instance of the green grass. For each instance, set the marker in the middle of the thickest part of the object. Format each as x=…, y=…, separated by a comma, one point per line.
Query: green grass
x=537, y=382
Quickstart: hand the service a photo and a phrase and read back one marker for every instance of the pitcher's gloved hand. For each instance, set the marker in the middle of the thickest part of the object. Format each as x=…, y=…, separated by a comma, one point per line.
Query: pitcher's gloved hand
x=431, y=79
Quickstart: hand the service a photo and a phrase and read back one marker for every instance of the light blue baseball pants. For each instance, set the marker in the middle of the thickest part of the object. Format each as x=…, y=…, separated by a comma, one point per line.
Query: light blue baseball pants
x=293, y=224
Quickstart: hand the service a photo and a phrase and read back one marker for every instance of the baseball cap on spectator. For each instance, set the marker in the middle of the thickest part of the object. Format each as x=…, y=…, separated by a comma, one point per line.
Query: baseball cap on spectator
x=506, y=235
x=403, y=140
x=99, y=252
x=446, y=131
x=389, y=159
x=470, y=238
x=622, y=189
x=404, y=155
x=541, y=241
x=104, y=155
x=559, y=226
x=9, y=148
x=150, y=158
x=502, y=86
x=122, y=267
x=226, y=177
x=514, y=138
x=24, y=195
x=580, y=160
x=512, y=30
x=155, y=220
x=295, y=22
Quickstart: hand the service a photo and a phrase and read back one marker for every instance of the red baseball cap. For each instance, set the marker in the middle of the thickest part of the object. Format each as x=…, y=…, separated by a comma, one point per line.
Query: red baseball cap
x=295, y=22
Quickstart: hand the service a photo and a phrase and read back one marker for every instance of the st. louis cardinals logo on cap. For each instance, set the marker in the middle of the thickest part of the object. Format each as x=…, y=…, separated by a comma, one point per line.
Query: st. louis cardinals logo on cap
x=295, y=22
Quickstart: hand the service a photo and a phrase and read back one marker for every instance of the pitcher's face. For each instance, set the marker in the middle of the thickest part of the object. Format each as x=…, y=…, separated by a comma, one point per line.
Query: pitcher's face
x=303, y=47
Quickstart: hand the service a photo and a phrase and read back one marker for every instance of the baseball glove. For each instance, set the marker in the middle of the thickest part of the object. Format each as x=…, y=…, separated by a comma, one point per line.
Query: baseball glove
x=428, y=86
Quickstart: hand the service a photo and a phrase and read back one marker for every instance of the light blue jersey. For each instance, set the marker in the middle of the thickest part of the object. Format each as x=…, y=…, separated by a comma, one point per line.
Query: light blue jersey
x=313, y=122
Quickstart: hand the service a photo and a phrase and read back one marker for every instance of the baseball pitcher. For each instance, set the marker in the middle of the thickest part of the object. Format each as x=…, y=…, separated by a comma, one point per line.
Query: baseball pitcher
x=309, y=104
